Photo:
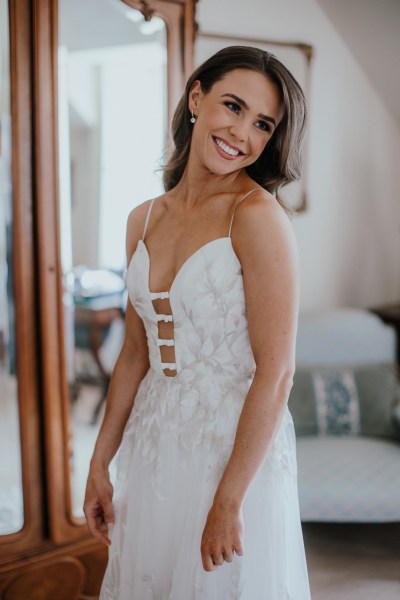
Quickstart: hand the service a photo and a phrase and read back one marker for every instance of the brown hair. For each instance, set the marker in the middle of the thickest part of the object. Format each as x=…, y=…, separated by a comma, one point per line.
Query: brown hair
x=280, y=162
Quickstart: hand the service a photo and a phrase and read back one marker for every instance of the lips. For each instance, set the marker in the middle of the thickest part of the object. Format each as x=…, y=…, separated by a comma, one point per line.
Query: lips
x=225, y=149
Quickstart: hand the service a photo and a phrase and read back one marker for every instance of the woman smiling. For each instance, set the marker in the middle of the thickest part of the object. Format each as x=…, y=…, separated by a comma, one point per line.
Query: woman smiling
x=206, y=505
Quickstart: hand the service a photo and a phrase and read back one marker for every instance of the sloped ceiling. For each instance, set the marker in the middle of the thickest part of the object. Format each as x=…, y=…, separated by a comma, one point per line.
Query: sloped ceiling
x=371, y=30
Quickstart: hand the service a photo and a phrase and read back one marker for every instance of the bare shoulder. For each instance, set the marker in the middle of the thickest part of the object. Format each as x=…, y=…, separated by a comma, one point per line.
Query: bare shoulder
x=135, y=225
x=265, y=244
x=137, y=216
x=261, y=223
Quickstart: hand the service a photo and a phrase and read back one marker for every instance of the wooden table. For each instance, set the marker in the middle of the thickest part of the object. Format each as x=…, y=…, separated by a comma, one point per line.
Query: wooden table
x=93, y=317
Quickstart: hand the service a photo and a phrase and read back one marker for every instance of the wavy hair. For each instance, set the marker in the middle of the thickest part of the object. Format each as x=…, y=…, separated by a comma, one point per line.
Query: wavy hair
x=280, y=161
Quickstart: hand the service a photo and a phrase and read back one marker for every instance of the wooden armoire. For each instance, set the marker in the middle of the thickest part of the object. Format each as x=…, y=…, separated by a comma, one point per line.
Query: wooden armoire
x=53, y=556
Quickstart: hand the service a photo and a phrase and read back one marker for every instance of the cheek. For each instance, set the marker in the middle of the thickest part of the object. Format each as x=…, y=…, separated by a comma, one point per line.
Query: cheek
x=215, y=118
x=258, y=144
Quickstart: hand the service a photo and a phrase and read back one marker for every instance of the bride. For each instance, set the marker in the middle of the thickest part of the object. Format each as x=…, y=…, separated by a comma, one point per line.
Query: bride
x=205, y=506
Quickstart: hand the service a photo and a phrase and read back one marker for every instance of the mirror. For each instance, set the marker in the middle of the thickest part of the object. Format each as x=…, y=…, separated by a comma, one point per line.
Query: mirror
x=112, y=110
x=11, y=496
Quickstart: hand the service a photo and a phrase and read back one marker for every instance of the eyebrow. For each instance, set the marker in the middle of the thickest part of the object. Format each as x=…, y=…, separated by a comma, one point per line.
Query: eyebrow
x=243, y=104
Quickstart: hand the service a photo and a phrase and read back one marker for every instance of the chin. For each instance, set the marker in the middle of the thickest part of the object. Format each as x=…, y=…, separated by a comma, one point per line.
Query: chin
x=230, y=167
x=221, y=171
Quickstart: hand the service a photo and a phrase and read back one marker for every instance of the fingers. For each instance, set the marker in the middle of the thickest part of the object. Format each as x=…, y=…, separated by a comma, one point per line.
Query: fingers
x=208, y=564
x=98, y=507
x=99, y=519
x=222, y=537
x=218, y=559
x=109, y=513
x=228, y=555
x=214, y=559
x=238, y=548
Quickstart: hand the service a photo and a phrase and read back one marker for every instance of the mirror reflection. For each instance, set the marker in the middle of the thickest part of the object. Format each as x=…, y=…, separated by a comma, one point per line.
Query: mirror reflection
x=11, y=500
x=112, y=130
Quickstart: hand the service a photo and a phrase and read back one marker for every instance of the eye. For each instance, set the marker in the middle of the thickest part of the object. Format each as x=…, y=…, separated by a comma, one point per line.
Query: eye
x=264, y=126
x=233, y=107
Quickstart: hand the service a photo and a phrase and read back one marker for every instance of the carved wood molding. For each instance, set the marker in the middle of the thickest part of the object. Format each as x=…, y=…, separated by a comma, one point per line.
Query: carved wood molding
x=53, y=371
x=72, y=573
x=31, y=534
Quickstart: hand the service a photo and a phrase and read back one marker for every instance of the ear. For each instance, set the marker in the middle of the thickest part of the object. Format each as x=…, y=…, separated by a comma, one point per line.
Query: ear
x=195, y=96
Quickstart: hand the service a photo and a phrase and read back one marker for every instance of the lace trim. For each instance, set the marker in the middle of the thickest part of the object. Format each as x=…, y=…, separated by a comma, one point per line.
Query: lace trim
x=167, y=365
x=165, y=342
x=156, y=295
x=166, y=318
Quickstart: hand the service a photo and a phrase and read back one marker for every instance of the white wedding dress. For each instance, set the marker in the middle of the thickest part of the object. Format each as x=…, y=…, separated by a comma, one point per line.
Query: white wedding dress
x=177, y=442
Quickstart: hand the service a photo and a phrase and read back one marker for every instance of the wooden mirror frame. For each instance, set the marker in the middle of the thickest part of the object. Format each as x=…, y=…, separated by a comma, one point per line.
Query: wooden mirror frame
x=25, y=280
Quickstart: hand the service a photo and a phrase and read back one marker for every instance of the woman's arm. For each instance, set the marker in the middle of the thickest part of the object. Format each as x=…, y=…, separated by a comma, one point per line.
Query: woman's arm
x=131, y=366
x=266, y=247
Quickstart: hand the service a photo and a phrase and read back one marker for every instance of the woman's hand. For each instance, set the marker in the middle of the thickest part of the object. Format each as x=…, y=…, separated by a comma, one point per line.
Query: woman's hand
x=98, y=506
x=222, y=536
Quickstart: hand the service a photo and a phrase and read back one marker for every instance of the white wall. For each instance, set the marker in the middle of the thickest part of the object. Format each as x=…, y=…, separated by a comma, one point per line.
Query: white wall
x=117, y=115
x=84, y=100
x=349, y=239
x=132, y=137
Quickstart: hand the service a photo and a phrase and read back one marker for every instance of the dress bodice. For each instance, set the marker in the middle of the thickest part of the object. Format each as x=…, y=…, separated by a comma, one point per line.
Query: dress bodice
x=208, y=313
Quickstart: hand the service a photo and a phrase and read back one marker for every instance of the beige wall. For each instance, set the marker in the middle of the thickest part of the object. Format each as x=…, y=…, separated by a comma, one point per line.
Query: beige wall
x=349, y=240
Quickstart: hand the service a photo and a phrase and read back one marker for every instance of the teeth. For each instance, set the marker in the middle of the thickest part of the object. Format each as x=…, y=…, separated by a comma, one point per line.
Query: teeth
x=226, y=148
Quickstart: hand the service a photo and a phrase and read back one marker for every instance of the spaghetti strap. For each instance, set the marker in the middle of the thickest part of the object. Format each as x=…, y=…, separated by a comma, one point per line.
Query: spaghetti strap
x=234, y=210
x=147, y=218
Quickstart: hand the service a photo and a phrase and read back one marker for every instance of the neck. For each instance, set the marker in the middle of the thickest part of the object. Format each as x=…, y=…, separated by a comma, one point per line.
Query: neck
x=198, y=183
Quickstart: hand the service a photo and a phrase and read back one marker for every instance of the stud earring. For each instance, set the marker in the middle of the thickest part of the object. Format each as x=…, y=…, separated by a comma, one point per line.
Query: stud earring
x=193, y=119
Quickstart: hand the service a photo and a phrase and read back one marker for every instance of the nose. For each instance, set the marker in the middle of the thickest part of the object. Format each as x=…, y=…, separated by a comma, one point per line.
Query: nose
x=238, y=131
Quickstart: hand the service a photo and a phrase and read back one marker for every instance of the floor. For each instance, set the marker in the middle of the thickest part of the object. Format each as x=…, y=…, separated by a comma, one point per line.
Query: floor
x=353, y=561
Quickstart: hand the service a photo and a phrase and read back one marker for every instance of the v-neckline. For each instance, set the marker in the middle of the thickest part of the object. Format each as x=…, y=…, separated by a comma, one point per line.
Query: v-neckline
x=182, y=267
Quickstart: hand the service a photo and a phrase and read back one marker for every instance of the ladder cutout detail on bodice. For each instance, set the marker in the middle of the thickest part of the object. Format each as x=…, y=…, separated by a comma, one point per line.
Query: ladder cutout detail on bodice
x=165, y=340
x=165, y=321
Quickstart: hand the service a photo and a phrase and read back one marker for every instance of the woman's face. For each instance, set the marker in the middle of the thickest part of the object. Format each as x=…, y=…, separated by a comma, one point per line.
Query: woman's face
x=234, y=120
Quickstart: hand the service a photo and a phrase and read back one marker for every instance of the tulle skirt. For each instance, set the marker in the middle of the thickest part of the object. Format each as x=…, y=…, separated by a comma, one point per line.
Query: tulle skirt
x=175, y=447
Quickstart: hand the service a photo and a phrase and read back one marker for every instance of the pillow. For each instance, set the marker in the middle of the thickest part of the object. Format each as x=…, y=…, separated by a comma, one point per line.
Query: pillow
x=354, y=400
